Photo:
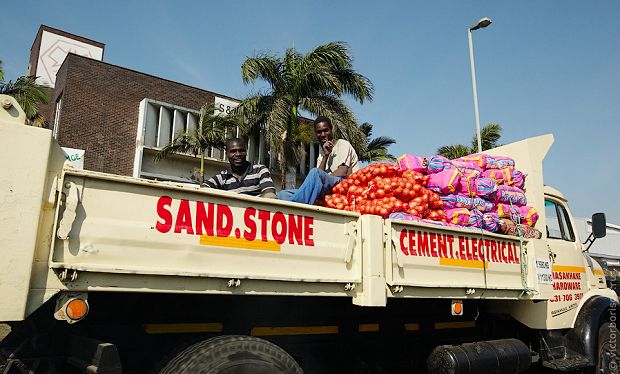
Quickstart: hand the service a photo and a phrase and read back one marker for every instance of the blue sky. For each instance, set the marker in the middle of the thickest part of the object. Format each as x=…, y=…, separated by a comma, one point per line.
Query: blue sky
x=542, y=67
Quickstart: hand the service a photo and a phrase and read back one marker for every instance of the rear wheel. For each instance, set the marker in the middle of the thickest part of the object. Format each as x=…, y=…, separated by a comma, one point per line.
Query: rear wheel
x=233, y=354
x=608, y=350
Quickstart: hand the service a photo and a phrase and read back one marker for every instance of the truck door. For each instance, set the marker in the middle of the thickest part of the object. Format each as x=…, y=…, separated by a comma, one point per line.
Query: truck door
x=569, y=273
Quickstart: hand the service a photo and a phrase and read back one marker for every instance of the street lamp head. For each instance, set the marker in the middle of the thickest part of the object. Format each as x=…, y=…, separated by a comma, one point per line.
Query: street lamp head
x=484, y=22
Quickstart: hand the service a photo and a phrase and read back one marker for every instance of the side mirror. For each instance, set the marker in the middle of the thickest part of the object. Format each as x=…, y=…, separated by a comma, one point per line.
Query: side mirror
x=599, y=225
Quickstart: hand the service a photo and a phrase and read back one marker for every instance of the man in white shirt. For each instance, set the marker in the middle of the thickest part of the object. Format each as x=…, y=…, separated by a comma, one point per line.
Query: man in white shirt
x=337, y=161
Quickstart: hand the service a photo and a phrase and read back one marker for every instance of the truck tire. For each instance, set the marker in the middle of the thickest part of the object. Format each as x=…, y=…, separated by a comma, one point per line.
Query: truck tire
x=608, y=351
x=232, y=354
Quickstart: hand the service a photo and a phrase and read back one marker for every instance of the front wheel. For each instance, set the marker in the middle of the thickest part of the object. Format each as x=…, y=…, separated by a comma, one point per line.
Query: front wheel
x=233, y=354
x=608, y=352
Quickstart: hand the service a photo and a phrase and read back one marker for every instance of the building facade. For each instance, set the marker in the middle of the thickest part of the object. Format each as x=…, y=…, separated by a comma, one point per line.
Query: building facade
x=121, y=118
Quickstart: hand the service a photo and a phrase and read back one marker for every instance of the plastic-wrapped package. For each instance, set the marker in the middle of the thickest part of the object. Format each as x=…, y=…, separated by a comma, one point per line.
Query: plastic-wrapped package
x=411, y=162
x=479, y=160
x=457, y=201
x=436, y=164
x=509, y=194
x=518, y=179
x=508, y=227
x=491, y=163
x=500, y=176
x=475, y=218
x=504, y=162
x=483, y=205
x=490, y=222
x=445, y=181
x=467, y=186
x=509, y=211
x=485, y=187
x=529, y=214
x=465, y=168
x=404, y=216
x=458, y=216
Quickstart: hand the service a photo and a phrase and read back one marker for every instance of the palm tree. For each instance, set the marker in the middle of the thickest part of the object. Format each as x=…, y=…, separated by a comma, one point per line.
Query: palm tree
x=490, y=134
x=314, y=83
x=29, y=94
x=209, y=132
x=376, y=149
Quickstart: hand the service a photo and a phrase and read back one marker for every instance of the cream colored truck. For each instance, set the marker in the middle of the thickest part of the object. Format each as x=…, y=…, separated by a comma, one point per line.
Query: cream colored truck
x=102, y=273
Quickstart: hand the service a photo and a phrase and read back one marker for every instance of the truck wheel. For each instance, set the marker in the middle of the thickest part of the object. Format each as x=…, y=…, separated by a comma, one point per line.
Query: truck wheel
x=608, y=352
x=232, y=354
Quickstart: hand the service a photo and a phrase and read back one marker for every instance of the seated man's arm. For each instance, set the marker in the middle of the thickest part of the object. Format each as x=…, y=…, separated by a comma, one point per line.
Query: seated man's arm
x=345, y=157
x=269, y=194
x=341, y=171
x=267, y=188
x=210, y=183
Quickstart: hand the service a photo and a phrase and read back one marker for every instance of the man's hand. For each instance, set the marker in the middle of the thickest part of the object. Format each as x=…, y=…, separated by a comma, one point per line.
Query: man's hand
x=327, y=147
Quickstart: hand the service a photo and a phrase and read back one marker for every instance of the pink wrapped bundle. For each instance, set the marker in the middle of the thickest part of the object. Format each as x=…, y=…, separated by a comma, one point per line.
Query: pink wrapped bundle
x=508, y=194
x=504, y=162
x=500, y=176
x=485, y=186
x=467, y=169
x=475, y=218
x=483, y=205
x=491, y=222
x=471, y=171
x=508, y=211
x=458, y=216
x=404, y=216
x=439, y=223
x=436, y=164
x=467, y=186
x=444, y=182
x=457, y=201
x=491, y=163
x=411, y=162
x=518, y=179
x=478, y=160
x=529, y=214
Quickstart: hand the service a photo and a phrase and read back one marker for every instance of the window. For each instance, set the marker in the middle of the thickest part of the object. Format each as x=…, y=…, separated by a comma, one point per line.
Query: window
x=558, y=224
x=57, y=116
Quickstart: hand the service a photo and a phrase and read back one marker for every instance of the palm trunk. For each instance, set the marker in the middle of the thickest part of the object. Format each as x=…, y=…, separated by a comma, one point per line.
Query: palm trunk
x=202, y=165
x=291, y=177
x=289, y=164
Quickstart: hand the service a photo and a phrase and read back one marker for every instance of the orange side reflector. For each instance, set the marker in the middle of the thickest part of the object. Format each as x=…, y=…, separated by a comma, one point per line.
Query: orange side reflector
x=77, y=309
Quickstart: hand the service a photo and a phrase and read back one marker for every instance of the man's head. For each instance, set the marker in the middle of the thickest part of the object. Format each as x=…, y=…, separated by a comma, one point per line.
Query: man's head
x=236, y=152
x=323, y=129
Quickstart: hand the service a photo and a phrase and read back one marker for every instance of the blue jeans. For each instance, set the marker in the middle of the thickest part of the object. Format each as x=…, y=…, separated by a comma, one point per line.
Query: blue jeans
x=316, y=185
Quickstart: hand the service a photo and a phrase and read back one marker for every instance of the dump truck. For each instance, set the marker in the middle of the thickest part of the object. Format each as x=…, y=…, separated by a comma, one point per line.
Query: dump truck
x=104, y=273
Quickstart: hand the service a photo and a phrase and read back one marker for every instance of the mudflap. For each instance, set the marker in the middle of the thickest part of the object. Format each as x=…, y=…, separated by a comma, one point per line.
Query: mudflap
x=93, y=356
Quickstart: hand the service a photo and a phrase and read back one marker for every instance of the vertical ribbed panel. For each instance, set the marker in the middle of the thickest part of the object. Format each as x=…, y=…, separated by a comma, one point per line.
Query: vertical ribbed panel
x=164, y=130
x=152, y=119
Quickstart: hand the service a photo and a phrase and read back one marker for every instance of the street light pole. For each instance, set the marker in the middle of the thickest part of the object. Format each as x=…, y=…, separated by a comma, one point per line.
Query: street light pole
x=484, y=22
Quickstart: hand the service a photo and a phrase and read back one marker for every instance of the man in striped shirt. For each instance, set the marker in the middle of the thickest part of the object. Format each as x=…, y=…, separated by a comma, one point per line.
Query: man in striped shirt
x=243, y=177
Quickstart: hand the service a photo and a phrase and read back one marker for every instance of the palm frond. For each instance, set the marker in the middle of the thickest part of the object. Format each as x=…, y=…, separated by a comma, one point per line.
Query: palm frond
x=313, y=82
x=454, y=151
x=489, y=136
x=28, y=93
x=265, y=67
